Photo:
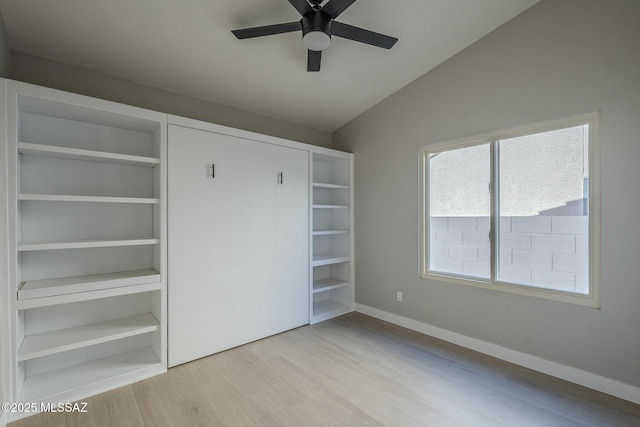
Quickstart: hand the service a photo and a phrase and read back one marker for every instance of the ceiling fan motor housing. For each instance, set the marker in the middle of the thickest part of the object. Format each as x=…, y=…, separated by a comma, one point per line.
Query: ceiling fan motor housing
x=316, y=21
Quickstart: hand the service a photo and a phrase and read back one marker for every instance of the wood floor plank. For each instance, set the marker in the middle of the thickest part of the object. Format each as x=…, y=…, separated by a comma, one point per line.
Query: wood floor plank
x=350, y=371
x=112, y=408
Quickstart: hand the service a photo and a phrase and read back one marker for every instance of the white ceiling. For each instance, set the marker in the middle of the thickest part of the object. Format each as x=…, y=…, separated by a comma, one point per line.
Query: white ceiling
x=187, y=47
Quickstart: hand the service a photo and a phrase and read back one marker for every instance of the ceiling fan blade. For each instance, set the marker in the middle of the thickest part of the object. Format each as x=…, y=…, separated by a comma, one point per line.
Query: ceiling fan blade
x=313, y=60
x=361, y=35
x=267, y=30
x=335, y=7
x=302, y=6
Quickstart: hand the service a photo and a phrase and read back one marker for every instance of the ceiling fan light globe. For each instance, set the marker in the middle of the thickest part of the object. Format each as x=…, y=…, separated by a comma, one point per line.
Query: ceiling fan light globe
x=316, y=40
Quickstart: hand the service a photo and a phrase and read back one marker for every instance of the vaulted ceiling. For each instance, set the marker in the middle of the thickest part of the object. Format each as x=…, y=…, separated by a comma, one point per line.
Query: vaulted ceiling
x=187, y=47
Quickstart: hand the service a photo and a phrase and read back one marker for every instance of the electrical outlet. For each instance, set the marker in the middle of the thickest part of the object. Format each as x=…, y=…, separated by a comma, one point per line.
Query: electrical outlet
x=399, y=296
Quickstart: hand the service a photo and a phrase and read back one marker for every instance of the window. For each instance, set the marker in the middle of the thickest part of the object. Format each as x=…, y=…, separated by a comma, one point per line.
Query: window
x=516, y=211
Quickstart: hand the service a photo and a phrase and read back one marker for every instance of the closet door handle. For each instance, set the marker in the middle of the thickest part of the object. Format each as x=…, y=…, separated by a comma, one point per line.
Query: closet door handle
x=280, y=178
x=213, y=170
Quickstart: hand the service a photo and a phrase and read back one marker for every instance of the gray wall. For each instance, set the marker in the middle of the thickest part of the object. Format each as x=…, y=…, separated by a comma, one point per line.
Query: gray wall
x=43, y=72
x=5, y=53
x=560, y=58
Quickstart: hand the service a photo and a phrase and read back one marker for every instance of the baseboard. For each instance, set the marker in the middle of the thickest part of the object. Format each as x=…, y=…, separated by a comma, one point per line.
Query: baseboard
x=567, y=373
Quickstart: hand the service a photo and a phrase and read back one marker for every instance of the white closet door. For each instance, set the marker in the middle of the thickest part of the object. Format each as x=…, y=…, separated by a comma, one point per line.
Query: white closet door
x=238, y=241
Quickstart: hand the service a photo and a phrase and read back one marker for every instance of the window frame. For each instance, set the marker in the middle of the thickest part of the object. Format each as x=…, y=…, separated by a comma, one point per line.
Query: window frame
x=592, y=299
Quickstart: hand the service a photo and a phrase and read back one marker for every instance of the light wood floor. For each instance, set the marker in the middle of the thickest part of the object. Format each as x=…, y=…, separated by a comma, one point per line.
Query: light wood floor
x=349, y=371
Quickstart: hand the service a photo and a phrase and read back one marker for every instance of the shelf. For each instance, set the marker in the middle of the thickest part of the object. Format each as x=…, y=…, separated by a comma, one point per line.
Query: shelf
x=27, y=304
x=328, y=308
x=329, y=232
x=328, y=284
x=330, y=207
x=94, y=199
x=94, y=282
x=87, y=155
x=327, y=259
x=52, y=342
x=121, y=368
x=330, y=186
x=333, y=158
x=82, y=244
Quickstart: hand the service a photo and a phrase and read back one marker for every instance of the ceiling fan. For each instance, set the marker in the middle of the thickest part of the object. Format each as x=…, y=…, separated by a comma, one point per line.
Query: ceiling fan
x=318, y=25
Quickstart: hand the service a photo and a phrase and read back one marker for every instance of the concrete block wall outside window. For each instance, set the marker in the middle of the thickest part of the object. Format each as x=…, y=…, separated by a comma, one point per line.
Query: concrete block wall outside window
x=548, y=251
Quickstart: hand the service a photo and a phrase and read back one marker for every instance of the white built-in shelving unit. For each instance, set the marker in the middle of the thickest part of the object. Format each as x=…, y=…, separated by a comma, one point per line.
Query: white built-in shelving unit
x=86, y=192
x=332, y=275
x=83, y=264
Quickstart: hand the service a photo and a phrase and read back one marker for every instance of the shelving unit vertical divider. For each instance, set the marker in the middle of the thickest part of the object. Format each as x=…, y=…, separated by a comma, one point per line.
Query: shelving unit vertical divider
x=13, y=326
x=5, y=309
x=91, y=170
x=160, y=223
x=332, y=276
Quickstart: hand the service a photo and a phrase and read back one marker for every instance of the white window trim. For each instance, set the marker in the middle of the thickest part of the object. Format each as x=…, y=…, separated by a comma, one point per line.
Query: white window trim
x=592, y=299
